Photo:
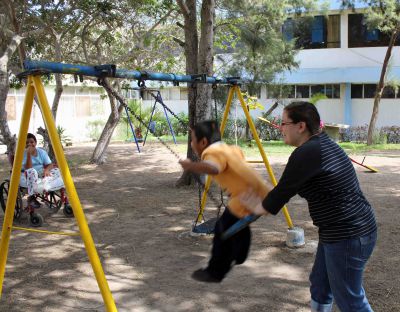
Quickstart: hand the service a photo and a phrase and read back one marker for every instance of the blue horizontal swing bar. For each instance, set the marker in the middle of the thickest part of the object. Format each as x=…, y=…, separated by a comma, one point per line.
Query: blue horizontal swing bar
x=112, y=71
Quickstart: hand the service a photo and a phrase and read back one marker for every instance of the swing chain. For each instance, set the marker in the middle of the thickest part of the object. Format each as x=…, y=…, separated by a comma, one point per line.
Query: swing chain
x=122, y=102
x=201, y=185
x=182, y=122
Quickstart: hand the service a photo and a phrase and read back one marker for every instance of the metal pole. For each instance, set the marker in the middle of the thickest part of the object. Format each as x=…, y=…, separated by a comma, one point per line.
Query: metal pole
x=262, y=152
x=132, y=129
x=112, y=72
x=73, y=196
x=15, y=177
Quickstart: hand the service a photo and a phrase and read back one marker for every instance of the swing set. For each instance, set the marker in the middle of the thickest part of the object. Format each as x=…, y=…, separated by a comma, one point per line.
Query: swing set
x=34, y=87
x=156, y=94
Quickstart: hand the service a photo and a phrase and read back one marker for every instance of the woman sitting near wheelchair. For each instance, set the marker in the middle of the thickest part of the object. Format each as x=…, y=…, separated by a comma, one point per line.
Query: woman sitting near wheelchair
x=38, y=172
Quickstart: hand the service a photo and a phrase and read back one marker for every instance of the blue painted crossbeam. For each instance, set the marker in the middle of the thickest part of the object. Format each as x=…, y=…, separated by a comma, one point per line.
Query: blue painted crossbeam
x=114, y=72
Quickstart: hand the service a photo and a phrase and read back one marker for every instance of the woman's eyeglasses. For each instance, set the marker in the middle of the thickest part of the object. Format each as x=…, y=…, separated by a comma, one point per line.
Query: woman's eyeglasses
x=287, y=123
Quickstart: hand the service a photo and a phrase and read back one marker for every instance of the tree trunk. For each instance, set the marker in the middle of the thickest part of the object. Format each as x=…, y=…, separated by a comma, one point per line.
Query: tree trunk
x=57, y=96
x=379, y=88
x=206, y=59
x=99, y=153
x=188, y=9
x=6, y=137
x=54, y=108
x=199, y=60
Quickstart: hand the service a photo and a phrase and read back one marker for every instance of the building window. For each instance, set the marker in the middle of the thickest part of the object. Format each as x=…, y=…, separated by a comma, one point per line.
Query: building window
x=369, y=91
x=82, y=106
x=356, y=91
x=11, y=108
x=303, y=92
x=333, y=31
x=388, y=93
x=291, y=92
x=165, y=94
x=318, y=32
x=360, y=36
x=288, y=29
x=336, y=91
x=317, y=89
x=184, y=93
x=313, y=32
x=332, y=91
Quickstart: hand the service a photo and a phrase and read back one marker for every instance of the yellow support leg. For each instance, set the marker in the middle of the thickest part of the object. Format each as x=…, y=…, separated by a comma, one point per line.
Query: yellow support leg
x=73, y=197
x=262, y=152
x=15, y=177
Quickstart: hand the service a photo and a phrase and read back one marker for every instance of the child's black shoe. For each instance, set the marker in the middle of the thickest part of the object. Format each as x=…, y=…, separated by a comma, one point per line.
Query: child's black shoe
x=202, y=275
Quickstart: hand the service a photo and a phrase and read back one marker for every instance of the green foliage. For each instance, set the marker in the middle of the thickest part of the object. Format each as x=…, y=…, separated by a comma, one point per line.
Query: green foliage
x=65, y=140
x=383, y=15
x=260, y=49
x=316, y=97
x=252, y=101
x=266, y=131
x=143, y=112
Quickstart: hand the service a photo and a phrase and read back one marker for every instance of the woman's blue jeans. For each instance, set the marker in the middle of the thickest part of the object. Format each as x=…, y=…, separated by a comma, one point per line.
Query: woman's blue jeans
x=337, y=275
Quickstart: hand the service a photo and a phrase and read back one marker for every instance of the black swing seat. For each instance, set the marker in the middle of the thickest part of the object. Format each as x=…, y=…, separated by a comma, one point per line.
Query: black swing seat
x=205, y=228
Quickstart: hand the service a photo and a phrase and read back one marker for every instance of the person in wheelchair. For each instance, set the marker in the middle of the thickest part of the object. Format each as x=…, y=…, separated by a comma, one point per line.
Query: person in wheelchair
x=38, y=173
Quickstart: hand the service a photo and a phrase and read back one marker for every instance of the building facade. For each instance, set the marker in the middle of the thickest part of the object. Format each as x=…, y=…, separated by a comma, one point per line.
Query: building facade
x=341, y=58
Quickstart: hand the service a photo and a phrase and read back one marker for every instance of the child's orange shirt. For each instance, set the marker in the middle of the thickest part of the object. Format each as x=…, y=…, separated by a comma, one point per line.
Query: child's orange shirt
x=234, y=175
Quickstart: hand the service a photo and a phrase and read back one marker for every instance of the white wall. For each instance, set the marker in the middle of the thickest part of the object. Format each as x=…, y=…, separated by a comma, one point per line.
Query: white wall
x=348, y=57
x=76, y=127
x=389, y=112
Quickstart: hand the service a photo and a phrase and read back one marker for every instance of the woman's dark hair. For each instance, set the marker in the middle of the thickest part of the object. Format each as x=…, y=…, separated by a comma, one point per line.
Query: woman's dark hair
x=31, y=136
x=208, y=129
x=304, y=111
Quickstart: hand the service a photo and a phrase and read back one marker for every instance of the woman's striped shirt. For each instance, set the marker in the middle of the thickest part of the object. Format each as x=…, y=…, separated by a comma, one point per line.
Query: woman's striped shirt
x=322, y=173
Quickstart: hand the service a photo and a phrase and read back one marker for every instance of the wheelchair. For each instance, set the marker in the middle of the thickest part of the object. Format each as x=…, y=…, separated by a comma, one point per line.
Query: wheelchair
x=54, y=199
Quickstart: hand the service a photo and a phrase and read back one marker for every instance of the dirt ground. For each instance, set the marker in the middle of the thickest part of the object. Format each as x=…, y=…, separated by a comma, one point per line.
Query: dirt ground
x=140, y=223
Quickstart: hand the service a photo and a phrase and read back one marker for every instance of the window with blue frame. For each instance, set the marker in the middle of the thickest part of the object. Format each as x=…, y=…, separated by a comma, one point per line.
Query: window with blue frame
x=313, y=32
x=303, y=92
x=332, y=91
x=361, y=36
x=318, y=32
x=287, y=29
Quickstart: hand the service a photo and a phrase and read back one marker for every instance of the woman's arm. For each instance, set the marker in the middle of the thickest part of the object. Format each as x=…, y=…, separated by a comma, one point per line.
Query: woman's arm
x=47, y=168
x=30, y=150
x=198, y=167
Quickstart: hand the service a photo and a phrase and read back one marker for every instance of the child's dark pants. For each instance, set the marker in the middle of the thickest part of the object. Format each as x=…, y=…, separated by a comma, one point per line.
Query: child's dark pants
x=234, y=250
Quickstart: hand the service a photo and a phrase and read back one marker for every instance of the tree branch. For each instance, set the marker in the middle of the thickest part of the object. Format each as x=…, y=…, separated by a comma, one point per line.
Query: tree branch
x=179, y=41
x=185, y=10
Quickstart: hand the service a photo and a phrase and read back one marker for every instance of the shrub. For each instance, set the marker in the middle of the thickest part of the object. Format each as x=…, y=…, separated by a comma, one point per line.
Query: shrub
x=392, y=134
x=359, y=135
x=267, y=131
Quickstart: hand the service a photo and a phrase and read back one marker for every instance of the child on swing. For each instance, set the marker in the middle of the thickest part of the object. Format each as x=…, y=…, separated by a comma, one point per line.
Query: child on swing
x=227, y=165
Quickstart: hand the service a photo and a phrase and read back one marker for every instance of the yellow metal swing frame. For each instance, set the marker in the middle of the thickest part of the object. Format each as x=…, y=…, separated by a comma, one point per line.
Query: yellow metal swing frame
x=35, y=87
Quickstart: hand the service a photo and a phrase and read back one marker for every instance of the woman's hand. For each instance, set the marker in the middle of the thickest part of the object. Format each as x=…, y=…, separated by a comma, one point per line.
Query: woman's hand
x=253, y=202
x=30, y=150
x=46, y=172
x=47, y=169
